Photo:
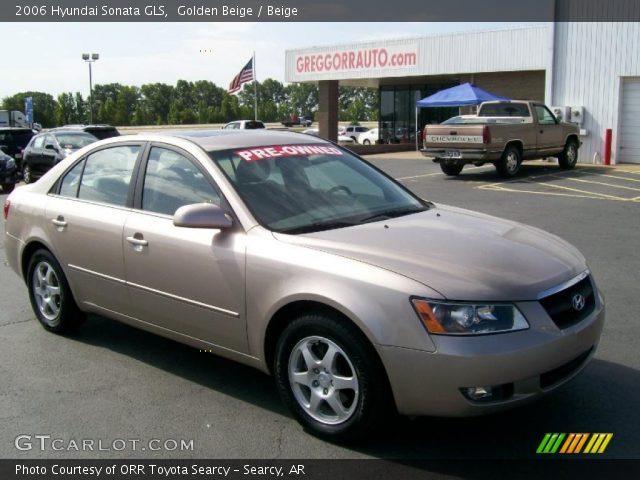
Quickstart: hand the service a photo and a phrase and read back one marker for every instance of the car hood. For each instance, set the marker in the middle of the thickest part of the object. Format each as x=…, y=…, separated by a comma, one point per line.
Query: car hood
x=461, y=254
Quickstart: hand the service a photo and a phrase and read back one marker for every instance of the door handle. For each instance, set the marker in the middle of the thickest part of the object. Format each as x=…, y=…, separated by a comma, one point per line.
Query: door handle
x=138, y=242
x=59, y=222
x=541, y=131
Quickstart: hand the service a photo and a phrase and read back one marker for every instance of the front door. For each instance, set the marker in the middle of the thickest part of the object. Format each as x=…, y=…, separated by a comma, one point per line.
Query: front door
x=549, y=135
x=187, y=280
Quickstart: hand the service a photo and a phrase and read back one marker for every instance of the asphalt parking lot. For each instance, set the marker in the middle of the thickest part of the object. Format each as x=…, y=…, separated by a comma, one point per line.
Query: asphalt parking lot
x=111, y=381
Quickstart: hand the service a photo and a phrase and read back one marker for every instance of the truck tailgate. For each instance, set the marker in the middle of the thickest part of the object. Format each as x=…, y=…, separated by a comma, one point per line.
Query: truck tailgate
x=453, y=136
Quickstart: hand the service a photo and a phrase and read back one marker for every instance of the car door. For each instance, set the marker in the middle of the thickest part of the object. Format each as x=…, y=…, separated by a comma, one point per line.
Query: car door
x=33, y=155
x=549, y=135
x=86, y=216
x=49, y=155
x=187, y=280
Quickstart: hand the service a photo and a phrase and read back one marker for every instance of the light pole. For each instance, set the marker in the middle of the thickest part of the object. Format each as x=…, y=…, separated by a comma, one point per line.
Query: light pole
x=90, y=58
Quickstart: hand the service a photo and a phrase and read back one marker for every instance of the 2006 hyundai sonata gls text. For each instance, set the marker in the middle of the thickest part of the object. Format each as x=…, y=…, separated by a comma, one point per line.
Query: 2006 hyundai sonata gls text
x=292, y=255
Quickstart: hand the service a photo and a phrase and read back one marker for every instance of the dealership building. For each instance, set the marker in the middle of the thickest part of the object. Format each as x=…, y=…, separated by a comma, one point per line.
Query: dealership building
x=588, y=72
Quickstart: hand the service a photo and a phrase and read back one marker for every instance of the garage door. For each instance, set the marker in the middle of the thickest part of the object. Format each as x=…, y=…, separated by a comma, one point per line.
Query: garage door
x=629, y=151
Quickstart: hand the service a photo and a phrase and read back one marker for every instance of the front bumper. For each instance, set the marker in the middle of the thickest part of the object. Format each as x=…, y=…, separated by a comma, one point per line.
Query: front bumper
x=528, y=364
x=465, y=156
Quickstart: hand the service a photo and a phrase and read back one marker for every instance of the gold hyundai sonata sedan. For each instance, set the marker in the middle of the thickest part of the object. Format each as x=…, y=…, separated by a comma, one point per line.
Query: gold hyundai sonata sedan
x=291, y=254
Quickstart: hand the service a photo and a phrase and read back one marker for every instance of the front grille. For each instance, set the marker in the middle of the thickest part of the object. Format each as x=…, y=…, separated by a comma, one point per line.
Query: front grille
x=559, y=306
x=556, y=375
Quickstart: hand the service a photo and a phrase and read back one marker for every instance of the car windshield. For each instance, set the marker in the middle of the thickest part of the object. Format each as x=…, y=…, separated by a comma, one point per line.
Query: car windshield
x=74, y=141
x=307, y=188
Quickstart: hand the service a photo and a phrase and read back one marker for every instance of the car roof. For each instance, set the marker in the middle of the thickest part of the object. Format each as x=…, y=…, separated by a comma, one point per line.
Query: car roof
x=83, y=127
x=211, y=140
x=16, y=129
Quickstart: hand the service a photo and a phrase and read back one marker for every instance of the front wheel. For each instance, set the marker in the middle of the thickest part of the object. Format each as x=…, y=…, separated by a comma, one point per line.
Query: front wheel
x=50, y=295
x=366, y=141
x=330, y=378
x=509, y=165
x=569, y=156
x=451, y=170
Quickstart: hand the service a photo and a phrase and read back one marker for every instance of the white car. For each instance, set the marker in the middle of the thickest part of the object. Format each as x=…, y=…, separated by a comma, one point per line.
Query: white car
x=352, y=131
x=370, y=137
x=342, y=139
x=244, y=125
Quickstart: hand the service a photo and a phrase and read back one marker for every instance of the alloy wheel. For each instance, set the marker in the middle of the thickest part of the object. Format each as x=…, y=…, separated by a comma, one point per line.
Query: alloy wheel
x=323, y=380
x=47, y=292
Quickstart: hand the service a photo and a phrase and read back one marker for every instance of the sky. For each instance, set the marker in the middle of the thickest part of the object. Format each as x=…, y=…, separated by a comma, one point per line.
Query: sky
x=49, y=55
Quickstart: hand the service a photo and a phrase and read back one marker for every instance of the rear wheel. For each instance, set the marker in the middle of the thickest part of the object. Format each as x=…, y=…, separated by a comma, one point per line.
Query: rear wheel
x=366, y=141
x=569, y=156
x=451, y=170
x=329, y=377
x=27, y=174
x=50, y=295
x=8, y=187
x=509, y=165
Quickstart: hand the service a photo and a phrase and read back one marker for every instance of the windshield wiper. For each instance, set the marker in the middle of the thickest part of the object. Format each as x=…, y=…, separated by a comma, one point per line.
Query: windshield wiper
x=317, y=226
x=393, y=213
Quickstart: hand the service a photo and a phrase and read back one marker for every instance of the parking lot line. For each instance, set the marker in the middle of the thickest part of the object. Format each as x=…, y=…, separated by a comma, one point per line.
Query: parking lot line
x=619, y=178
x=598, y=183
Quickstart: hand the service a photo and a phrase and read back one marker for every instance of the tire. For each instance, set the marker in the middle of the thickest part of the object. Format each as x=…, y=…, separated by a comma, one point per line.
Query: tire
x=509, y=165
x=366, y=141
x=27, y=174
x=451, y=170
x=50, y=295
x=8, y=187
x=344, y=414
x=569, y=156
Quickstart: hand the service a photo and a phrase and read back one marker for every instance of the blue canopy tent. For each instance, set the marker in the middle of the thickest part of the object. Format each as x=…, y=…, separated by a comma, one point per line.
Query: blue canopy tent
x=458, y=96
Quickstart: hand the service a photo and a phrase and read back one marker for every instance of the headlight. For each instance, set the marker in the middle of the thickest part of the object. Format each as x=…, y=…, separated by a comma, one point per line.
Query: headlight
x=11, y=163
x=449, y=318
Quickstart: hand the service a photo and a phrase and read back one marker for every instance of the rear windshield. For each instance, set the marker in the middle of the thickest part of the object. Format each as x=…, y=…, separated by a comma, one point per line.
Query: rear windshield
x=305, y=188
x=102, y=133
x=252, y=125
x=15, y=138
x=73, y=141
x=504, y=110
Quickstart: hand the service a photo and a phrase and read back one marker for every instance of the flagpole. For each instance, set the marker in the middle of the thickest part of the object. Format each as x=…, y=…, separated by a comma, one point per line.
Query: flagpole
x=255, y=89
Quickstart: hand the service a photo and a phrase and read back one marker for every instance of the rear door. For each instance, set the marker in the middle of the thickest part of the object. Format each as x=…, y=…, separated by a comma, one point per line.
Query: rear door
x=86, y=217
x=549, y=136
x=187, y=280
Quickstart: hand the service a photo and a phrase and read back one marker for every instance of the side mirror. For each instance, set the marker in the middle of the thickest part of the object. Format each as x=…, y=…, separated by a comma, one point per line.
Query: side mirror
x=202, y=215
x=49, y=146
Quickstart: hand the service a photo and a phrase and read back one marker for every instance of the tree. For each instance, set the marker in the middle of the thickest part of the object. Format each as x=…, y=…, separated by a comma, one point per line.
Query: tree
x=156, y=99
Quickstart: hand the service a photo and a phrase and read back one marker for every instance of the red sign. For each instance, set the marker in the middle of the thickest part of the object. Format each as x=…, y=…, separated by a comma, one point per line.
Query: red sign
x=274, y=151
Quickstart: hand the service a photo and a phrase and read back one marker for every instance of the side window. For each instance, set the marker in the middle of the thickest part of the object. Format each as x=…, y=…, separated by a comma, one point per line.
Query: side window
x=545, y=117
x=107, y=175
x=71, y=181
x=39, y=142
x=172, y=181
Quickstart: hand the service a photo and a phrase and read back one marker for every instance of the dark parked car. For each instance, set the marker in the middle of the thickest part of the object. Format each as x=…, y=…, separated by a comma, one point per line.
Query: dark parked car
x=13, y=140
x=7, y=173
x=47, y=149
x=100, y=131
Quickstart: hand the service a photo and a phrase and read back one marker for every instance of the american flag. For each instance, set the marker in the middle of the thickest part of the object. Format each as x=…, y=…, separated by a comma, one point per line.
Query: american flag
x=245, y=75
